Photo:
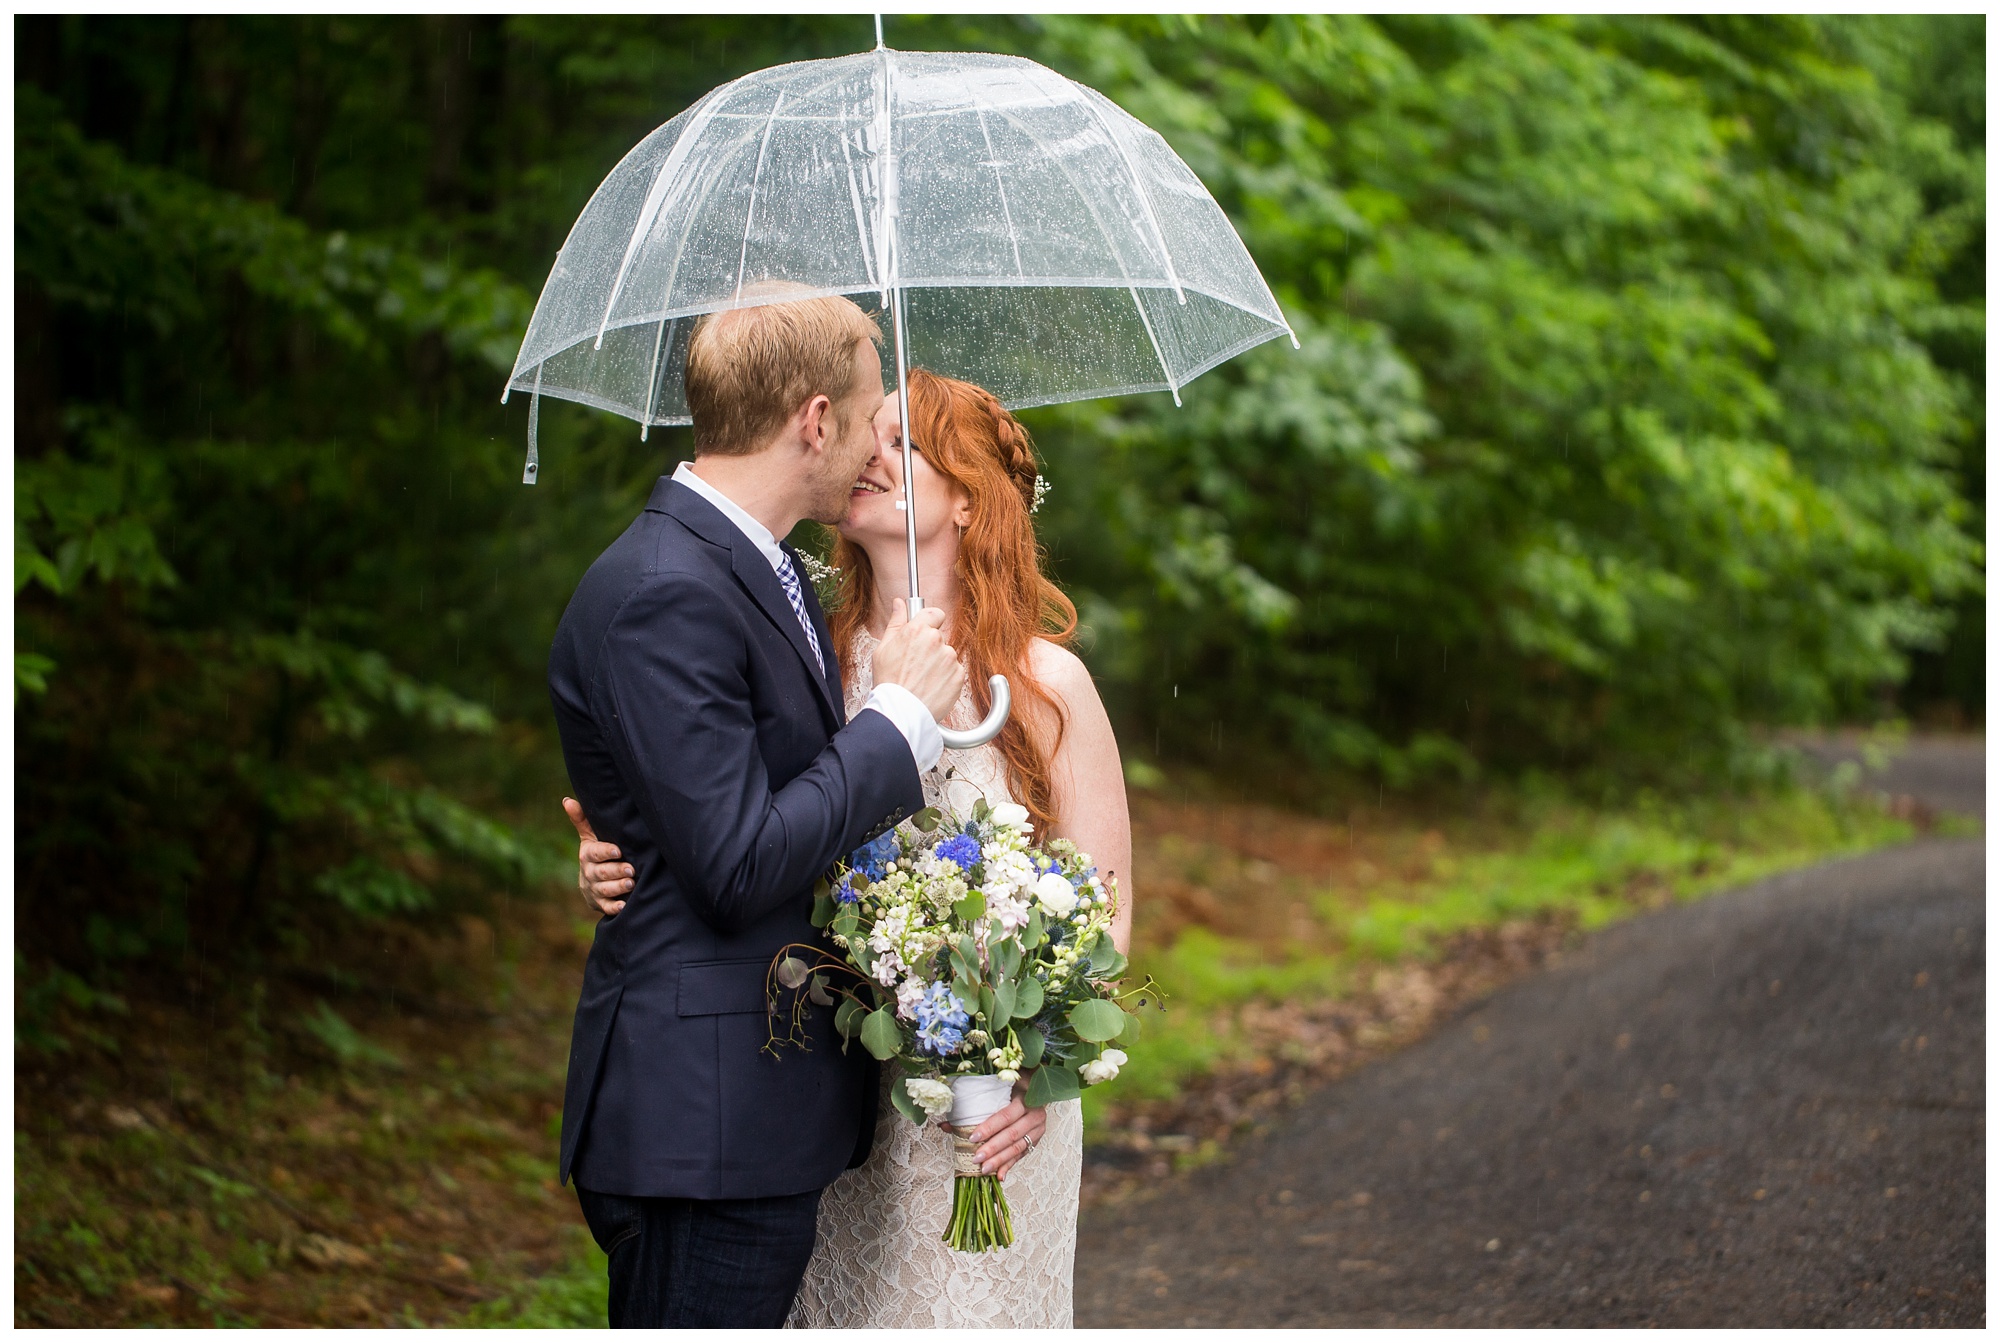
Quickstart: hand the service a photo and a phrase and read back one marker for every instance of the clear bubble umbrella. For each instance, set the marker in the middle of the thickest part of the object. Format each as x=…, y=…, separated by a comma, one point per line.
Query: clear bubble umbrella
x=1021, y=231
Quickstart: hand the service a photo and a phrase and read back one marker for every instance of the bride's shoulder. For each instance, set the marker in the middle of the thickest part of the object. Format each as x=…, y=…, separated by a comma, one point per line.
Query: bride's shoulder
x=1061, y=671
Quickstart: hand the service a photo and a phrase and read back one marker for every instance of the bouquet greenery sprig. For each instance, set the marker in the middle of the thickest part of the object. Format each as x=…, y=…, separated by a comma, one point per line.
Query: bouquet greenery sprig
x=971, y=959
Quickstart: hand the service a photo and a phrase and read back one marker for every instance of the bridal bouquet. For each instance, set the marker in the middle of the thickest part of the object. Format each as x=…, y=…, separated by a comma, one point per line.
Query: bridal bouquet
x=971, y=959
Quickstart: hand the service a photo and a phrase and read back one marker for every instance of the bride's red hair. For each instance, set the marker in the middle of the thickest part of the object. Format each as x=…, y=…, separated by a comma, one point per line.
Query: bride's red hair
x=1005, y=602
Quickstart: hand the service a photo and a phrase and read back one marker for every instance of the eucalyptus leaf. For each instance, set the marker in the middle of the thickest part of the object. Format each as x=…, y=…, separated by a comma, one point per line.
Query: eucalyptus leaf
x=847, y=1017
x=1133, y=1029
x=1003, y=1008
x=824, y=906
x=899, y=1096
x=792, y=972
x=1028, y=997
x=1050, y=1083
x=880, y=1035
x=927, y=820
x=1096, y=1020
x=985, y=1002
x=1031, y=936
x=1032, y=1043
x=816, y=991
x=971, y=908
x=965, y=971
x=1103, y=955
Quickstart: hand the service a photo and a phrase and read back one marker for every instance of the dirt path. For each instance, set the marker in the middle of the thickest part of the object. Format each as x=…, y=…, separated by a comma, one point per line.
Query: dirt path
x=1765, y=1109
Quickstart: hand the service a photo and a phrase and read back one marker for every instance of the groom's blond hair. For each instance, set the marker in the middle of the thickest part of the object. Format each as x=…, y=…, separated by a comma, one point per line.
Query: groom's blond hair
x=750, y=369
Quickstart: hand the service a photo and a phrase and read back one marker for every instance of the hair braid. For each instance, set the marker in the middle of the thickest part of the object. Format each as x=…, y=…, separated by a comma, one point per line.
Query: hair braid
x=1016, y=450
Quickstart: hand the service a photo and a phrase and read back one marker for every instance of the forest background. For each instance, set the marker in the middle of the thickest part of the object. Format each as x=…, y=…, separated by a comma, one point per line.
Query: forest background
x=1640, y=411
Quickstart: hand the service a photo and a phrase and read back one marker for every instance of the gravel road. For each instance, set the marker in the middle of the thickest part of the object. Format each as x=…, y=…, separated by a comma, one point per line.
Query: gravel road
x=1764, y=1109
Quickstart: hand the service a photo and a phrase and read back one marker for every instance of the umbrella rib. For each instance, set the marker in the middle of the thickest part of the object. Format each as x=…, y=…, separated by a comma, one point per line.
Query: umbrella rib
x=663, y=184
x=1000, y=183
x=888, y=263
x=860, y=218
x=756, y=176
x=1138, y=187
x=653, y=380
x=1091, y=205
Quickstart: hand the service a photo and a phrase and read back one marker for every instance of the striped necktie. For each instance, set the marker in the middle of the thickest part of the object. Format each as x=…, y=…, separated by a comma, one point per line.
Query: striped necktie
x=789, y=576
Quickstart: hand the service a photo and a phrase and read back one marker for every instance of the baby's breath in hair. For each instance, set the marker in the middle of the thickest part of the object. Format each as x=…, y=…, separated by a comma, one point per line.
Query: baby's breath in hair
x=1041, y=491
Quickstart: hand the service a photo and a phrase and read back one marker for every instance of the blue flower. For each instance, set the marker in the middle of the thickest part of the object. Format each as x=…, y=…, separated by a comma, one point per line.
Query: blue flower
x=872, y=859
x=960, y=849
x=941, y=1021
x=845, y=892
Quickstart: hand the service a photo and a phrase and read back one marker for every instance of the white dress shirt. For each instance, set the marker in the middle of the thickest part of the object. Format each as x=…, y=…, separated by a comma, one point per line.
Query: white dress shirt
x=890, y=700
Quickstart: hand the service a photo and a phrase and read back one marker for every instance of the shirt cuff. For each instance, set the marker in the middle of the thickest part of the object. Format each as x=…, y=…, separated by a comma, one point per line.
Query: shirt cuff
x=912, y=719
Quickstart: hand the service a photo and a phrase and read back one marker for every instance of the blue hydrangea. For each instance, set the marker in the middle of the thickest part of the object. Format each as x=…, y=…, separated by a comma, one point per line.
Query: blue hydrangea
x=960, y=849
x=873, y=858
x=941, y=1021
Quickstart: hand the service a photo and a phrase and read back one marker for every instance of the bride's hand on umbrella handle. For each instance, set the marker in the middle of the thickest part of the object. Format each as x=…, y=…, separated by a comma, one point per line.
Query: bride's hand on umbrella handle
x=1003, y=1139
x=599, y=875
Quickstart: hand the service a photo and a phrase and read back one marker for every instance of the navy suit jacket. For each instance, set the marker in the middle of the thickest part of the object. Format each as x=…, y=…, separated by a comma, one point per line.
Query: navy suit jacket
x=703, y=741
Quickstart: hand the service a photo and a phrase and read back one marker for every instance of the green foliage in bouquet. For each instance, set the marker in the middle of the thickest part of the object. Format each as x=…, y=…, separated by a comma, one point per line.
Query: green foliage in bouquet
x=969, y=953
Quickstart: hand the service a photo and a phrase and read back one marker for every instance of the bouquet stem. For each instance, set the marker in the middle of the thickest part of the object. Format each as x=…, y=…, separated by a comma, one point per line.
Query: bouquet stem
x=980, y=1219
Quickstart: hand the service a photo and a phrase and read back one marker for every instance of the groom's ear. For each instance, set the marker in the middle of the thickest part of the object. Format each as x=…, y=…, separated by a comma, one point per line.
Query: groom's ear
x=815, y=422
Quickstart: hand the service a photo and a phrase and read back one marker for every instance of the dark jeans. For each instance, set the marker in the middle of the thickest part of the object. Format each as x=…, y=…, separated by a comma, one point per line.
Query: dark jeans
x=689, y=1263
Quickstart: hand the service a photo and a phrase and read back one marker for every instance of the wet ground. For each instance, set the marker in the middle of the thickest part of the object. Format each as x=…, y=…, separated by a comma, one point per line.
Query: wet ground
x=1764, y=1109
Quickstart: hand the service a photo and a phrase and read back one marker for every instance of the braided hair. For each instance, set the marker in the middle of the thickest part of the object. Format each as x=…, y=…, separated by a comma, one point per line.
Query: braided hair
x=1016, y=452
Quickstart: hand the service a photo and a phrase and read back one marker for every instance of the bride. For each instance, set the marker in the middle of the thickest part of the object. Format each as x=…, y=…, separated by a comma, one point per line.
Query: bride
x=880, y=1261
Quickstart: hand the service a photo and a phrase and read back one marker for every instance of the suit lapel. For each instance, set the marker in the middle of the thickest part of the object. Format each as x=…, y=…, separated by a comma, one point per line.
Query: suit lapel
x=753, y=573
x=818, y=616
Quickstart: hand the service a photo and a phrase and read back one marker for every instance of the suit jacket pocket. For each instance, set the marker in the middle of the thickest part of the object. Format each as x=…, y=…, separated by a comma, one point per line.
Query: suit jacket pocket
x=718, y=988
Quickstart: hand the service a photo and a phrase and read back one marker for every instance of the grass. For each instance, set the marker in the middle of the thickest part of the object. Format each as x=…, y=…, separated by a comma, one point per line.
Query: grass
x=376, y=1147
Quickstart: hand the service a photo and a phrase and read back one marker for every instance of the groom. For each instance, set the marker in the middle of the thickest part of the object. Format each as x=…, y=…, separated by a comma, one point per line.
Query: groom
x=702, y=721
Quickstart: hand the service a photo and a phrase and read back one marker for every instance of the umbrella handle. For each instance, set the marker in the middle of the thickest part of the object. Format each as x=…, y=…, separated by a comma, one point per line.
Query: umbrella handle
x=996, y=718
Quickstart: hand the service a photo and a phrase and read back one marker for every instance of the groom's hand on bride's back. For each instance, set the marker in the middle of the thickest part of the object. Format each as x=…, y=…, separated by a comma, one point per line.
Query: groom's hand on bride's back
x=603, y=880
x=914, y=655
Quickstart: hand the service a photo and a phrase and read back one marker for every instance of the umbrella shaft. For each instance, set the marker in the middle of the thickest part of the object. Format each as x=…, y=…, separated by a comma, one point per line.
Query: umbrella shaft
x=903, y=418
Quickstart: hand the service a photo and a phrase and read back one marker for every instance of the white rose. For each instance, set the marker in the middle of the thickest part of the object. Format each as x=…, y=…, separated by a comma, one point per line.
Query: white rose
x=932, y=1095
x=1011, y=814
x=1054, y=893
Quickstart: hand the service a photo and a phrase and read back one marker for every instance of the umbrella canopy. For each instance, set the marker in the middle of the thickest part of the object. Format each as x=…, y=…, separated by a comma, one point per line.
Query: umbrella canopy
x=1024, y=233
x=1048, y=246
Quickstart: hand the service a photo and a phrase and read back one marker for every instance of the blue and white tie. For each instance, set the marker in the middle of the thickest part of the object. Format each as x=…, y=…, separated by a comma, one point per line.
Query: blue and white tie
x=790, y=578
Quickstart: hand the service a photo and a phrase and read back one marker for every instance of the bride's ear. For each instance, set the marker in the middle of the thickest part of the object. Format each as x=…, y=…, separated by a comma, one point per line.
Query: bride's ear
x=961, y=509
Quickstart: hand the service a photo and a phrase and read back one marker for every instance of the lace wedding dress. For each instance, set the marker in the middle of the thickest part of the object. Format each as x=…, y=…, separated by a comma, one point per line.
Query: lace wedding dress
x=881, y=1262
